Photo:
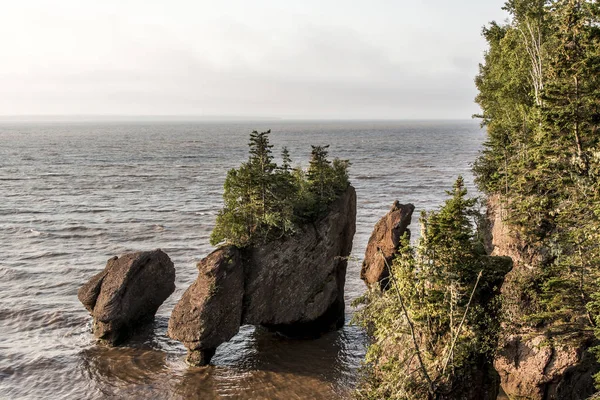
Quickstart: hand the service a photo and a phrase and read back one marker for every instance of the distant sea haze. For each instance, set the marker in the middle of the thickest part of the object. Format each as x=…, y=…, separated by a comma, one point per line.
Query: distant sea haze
x=74, y=194
x=133, y=118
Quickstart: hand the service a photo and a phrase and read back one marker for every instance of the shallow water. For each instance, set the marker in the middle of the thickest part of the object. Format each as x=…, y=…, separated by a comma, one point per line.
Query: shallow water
x=73, y=195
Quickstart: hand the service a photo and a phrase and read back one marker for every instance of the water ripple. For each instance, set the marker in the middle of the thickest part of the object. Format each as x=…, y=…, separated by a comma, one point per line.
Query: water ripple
x=73, y=195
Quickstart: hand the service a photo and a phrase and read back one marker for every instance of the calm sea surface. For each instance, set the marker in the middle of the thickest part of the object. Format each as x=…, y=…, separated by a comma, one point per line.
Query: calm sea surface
x=73, y=195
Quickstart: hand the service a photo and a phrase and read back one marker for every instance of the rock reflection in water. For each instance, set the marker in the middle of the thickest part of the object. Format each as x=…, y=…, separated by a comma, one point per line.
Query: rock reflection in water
x=263, y=365
x=114, y=368
x=267, y=366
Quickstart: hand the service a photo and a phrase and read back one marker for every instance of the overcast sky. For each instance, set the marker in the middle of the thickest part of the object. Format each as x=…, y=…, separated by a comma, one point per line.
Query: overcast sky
x=372, y=59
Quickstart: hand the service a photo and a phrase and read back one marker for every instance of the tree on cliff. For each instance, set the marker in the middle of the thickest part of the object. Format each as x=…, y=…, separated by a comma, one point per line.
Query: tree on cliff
x=261, y=168
x=326, y=180
x=434, y=328
x=263, y=201
x=539, y=90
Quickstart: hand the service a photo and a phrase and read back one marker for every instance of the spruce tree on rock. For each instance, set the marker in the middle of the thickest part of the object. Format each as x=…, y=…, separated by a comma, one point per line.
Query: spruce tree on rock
x=263, y=202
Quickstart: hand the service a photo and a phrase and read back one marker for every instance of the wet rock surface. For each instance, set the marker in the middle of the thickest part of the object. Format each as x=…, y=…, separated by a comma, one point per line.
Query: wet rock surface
x=210, y=311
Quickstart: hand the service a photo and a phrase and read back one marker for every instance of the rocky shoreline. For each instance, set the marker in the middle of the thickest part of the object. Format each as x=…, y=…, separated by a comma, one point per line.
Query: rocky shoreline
x=295, y=286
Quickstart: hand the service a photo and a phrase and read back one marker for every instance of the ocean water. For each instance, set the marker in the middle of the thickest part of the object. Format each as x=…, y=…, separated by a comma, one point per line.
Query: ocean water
x=72, y=195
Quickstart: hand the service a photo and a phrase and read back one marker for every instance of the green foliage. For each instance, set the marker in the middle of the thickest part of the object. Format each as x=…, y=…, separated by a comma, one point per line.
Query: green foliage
x=539, y=90
x=264, y=201
x=444, y=279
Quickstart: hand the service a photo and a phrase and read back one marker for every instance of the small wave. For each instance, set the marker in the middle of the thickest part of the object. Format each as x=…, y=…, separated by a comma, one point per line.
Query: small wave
x=8, y=274
x=91, y=210
x=76, y=228
x=32, y=317
x=78, y=235
x=47, y=174
x=47, y=254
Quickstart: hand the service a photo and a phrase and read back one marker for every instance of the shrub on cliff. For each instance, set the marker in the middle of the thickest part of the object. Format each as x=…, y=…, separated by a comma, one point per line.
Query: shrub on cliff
x=264, y=201
x=434, y=328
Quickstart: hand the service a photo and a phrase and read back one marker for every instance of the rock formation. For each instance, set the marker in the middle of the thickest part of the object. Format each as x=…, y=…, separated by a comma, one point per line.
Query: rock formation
x=294, y=285
x=475, y=379
x=127, y=293
x=532, y=364
x=210, y=311
x=385, y=239
x=536, y=368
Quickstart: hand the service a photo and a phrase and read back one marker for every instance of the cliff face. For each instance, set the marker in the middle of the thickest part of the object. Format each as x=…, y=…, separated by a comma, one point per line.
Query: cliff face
x=294, y=285
x=532, y=363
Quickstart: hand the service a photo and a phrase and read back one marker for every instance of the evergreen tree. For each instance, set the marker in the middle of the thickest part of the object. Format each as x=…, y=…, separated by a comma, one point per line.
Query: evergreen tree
x=539, y=90
x=437, y=322
x=286, y=165
x=319, y=173
x=261, y=168
x=263, y=202
x=326, y=179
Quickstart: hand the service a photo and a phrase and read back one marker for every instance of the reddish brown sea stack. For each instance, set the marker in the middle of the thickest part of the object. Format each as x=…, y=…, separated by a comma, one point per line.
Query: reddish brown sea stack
x=384, y=241
x=127, y=293
x=294, y=285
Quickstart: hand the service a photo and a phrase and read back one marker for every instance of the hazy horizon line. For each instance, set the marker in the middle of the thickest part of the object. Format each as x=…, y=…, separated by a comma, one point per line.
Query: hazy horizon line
x=192, y=118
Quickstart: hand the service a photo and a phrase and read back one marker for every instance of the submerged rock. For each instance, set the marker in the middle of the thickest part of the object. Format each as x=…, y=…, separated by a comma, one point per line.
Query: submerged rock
x=384, y=240
x=127, y=293
x=294, y=285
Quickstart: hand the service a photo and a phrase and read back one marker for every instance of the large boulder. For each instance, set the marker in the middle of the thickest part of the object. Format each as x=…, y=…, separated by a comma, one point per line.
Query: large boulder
x=384, y=240
x=127, y=293
x=533, y=362
x=294, y=285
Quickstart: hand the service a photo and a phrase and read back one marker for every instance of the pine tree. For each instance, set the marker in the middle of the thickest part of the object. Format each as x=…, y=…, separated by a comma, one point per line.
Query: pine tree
x=286, y=165
x=261, y=167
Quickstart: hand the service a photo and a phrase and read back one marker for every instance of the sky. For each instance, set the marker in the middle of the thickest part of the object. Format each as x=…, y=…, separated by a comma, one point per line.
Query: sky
x=308, y=59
